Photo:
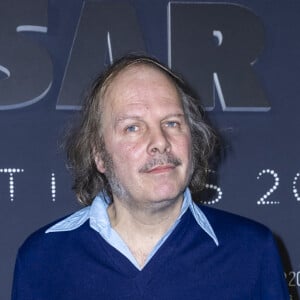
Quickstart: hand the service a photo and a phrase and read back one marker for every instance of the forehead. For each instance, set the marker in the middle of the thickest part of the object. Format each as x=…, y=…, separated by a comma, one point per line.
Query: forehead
x=140, y=84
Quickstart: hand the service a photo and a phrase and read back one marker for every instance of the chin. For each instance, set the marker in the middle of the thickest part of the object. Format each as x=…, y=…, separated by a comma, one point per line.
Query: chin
x=167, y=193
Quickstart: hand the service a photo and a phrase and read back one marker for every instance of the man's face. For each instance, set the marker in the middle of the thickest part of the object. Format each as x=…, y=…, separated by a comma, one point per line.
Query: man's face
x=147, y=157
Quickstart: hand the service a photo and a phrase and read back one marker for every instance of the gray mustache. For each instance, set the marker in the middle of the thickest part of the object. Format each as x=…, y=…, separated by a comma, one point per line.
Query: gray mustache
x=167, y=159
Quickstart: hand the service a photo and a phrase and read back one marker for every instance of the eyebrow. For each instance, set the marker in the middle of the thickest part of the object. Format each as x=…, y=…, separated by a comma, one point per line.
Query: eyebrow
x=137, y=117
x=125, y=117
x=180, y=115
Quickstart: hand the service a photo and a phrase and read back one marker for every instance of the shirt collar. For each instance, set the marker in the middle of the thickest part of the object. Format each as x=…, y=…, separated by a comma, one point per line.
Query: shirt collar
x=99, y=220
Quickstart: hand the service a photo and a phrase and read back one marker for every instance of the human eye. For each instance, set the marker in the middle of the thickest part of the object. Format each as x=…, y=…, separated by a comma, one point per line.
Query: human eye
x=172, y=124
x=131, y=128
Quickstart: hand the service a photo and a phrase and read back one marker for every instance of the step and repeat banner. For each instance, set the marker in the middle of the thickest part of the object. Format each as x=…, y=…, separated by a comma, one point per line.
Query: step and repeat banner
x=242, y=58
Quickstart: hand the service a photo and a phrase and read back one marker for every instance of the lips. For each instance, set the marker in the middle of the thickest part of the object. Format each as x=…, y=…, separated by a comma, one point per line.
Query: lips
x=161, y=169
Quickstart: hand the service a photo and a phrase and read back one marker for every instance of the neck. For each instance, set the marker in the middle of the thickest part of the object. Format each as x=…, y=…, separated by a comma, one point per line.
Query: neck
x=143, y=226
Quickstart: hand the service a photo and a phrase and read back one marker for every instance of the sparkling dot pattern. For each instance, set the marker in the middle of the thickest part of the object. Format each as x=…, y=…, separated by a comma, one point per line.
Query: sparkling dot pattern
x=263, y=199
x=295, y=191
x=219, y=196
x=11, y=172
x=53, y=187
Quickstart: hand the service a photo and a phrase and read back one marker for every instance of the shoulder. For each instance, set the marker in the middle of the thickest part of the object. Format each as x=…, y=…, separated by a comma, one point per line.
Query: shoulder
x=50, y=237
x=229, y=226
x=248, y=249
x=251, y=242
x=43, y=255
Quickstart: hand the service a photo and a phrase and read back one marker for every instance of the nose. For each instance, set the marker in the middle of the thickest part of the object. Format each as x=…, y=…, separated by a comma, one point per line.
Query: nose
x=158, y=142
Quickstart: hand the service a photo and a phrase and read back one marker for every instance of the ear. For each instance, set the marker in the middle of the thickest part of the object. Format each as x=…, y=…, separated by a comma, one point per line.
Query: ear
x=99, y=162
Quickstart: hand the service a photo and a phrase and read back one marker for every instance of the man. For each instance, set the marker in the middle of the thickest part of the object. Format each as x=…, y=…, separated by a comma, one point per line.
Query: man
x=141, y=143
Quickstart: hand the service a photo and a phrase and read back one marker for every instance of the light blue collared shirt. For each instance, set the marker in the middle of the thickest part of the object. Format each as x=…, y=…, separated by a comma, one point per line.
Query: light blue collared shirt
x=99, y=221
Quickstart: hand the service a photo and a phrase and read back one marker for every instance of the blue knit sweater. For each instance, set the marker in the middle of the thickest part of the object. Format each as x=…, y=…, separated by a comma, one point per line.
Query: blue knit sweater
x=79, y=264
